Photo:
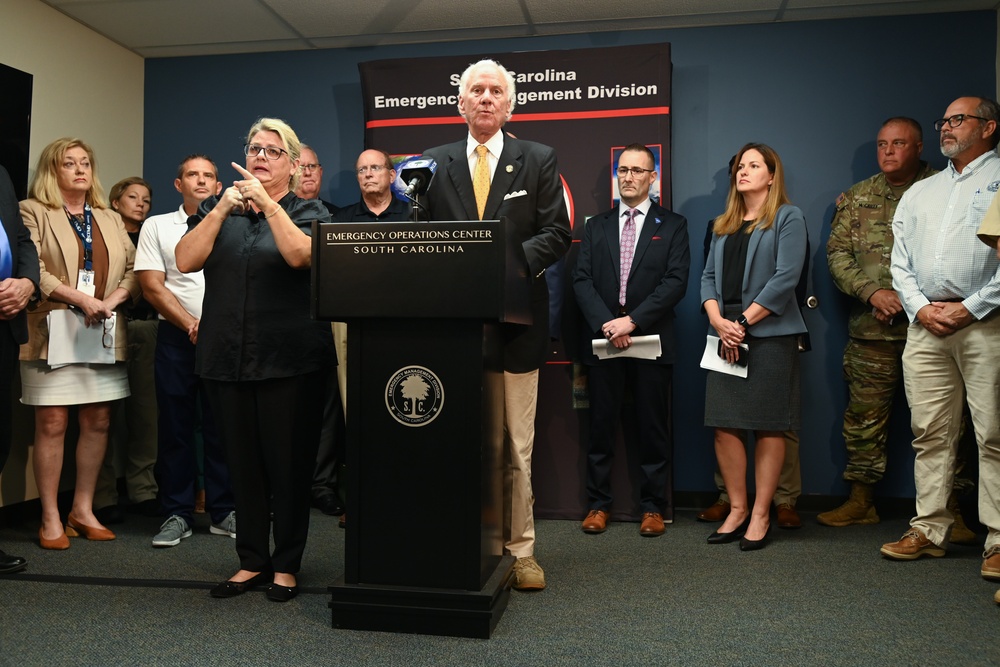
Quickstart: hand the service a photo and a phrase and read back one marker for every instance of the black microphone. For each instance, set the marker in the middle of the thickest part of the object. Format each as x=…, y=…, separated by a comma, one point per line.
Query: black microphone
x=417, y=173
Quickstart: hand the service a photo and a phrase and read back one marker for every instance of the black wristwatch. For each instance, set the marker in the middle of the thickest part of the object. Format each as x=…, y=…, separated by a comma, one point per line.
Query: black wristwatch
x=742, y=321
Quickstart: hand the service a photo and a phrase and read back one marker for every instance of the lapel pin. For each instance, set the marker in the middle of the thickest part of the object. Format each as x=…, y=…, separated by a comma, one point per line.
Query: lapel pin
x=510, y=169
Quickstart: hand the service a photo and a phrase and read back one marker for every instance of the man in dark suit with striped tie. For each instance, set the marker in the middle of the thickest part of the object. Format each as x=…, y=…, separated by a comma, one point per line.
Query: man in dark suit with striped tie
x=631, y=271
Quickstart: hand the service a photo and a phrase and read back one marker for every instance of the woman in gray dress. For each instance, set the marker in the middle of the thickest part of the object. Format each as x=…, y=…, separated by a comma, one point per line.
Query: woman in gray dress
x=748, y=292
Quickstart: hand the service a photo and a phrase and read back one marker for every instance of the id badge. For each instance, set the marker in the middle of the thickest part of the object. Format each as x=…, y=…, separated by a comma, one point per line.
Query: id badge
x=85, y=282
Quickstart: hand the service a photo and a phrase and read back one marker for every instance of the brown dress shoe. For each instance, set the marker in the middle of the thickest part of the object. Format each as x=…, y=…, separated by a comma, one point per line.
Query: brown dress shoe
x=912, y=545
x=596, y=522
x=788, y=518
x=652, y=525
x=991, y=563
x=717, y=512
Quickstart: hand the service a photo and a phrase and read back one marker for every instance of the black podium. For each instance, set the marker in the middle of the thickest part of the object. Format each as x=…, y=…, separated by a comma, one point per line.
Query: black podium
x=424, y=304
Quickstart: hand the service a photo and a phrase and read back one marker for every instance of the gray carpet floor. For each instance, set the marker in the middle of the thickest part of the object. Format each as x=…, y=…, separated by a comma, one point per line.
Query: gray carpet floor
x=816, y=596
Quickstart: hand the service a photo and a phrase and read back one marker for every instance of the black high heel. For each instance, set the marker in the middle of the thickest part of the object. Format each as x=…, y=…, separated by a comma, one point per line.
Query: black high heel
x=754, y=545
x=726, y=538
x=230, y=589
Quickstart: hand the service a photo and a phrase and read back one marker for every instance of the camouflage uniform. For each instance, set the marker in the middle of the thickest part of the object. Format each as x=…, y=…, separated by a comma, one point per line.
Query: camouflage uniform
x=859, y=253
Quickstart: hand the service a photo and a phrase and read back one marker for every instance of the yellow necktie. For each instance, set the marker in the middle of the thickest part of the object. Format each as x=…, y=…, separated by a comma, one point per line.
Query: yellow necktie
x=481, y=179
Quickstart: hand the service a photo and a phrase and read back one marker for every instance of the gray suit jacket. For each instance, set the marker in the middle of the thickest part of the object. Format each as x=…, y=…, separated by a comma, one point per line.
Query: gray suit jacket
x=774, y=263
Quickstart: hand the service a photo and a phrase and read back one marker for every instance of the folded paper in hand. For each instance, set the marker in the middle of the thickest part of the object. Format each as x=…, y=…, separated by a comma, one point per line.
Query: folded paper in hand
x=713, y=362
x=642, y=347
x=71, y=341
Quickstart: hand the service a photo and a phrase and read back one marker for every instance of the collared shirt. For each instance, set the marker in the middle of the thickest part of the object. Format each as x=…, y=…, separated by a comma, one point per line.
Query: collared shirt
x=256, y=323
x=155, y=252
x=494, y=145
x=643, y=210
x=937, y=256
x=397, y=211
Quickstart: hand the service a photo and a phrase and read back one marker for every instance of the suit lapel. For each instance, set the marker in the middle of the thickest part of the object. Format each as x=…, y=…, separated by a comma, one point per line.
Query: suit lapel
x=508, y=167
x=461, y=179
x=609, y=226
x=755, y=238
x=65, y=239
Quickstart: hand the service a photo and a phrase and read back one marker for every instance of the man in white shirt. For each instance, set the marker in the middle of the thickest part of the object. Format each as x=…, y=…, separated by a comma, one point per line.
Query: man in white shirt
x=177, y=297
x=949, y=285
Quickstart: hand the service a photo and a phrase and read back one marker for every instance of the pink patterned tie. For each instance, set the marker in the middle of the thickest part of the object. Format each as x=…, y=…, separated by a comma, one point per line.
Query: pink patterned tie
x=628, y=251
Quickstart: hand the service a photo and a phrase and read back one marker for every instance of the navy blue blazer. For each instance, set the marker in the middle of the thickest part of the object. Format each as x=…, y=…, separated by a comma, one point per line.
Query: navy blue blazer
x=656, y=282
x=25, y=255
x=774, y=263
x=527, y=190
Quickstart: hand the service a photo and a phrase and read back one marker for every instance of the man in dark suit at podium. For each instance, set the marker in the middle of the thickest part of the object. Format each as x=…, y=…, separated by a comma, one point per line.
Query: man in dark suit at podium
x=18, y=285
x=487, y=176
x=631, y=272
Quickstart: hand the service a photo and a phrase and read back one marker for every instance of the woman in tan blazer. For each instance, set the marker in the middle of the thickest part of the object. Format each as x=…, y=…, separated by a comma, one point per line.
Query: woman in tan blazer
x=85, y=261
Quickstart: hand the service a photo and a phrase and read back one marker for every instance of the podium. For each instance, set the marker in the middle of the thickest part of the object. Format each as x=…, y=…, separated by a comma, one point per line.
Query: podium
x=424, y=304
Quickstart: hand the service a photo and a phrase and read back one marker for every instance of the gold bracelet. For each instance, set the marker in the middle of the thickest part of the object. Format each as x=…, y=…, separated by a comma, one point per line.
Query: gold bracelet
x=273, y=213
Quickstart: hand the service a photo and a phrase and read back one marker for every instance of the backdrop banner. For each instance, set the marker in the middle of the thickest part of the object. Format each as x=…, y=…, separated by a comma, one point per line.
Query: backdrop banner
x=587, y=104
x=582, y=102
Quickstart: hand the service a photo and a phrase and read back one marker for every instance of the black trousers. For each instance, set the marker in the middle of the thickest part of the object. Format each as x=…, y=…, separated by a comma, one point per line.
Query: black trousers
x=650, y=411
x=8, y=365
x=179, y=394
x=270, y=431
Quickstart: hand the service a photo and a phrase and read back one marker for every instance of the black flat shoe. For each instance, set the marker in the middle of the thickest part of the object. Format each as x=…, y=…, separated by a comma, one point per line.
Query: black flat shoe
x=277, y=593
x=230, y=589
x=11, y=564
x=754, y=545
x=726, y=538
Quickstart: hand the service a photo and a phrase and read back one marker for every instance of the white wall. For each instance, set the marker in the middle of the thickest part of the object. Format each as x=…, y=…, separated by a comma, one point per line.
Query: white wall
x=84, y=86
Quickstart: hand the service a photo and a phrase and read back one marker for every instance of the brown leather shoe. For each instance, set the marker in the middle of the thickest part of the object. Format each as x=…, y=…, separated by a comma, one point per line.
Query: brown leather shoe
x=75, y=528
x=991, y=563
x=912, y=545
x=596, y=522
x=652, y=525
x=788, y=518
x=717, y=512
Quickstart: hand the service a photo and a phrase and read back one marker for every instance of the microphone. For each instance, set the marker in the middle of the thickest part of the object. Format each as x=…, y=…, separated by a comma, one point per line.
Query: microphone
x=417, y=172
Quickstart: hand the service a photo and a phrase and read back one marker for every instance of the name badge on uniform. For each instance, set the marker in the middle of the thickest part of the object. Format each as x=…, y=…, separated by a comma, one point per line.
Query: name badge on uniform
x=85, y=282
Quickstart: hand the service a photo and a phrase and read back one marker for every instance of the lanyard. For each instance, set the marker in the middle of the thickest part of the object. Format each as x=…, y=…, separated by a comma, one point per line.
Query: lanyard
x=84, y=232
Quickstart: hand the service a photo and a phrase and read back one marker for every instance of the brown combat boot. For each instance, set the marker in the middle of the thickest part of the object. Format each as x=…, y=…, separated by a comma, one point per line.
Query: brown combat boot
x=960, y=533
x=858, y=509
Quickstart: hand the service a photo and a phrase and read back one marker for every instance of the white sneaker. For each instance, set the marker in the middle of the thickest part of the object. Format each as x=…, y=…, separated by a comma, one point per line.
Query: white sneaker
x=173, y=530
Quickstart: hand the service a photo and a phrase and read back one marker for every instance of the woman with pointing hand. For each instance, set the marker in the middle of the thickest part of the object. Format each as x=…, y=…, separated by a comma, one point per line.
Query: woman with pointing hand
x=263, y=360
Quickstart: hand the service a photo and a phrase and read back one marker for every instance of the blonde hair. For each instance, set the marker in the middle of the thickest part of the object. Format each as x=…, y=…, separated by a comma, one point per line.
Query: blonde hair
x=732, y=218
x=45, y=184
x=288, y=137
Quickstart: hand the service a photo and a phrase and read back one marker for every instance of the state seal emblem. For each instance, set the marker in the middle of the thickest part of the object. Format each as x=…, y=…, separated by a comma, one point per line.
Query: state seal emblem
x=414, y=396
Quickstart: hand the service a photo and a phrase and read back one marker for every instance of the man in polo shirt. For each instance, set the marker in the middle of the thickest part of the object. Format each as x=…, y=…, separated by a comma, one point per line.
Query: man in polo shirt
x=177, y=297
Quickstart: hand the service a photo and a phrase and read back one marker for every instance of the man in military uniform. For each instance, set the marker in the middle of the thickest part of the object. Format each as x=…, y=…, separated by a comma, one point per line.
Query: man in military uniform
x=859, y=253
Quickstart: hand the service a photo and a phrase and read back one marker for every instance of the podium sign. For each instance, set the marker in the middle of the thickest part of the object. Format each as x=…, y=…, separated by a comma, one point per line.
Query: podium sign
x=424, y=304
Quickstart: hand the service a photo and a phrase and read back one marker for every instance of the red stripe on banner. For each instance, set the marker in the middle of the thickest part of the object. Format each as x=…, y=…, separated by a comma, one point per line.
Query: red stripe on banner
x=566, y=115
x=402, y=122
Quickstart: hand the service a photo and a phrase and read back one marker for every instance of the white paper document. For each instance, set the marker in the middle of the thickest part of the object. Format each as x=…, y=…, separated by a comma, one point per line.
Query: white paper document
x=642, y=347
x=713, y=362
x=73, y=342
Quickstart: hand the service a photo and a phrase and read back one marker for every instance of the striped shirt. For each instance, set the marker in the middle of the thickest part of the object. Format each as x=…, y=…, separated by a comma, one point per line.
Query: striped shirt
x=937, y=255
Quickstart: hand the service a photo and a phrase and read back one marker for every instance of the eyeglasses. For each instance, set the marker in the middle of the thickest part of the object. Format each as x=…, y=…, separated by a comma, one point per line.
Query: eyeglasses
x=635, y=171
x=108, y=339
x=310, y=167
x=270, y=152
x=375, y=169
x=954, y=121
